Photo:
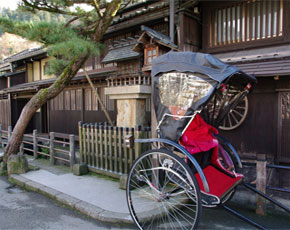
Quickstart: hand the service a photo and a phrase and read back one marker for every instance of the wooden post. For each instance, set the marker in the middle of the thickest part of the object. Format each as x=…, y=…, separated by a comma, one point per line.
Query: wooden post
x=72, y=153
x=131, y=157
x=126, y=152
x=261, y=183
x=84, y=158
x=21, y=151
x=35, y=147
x=120, y=135
x=110, y=128
x=101, y=136
x=9, y=132
x=97, y=146
x=137, y=135
x=88, y=140
x=51, y=147
x=171, y=18
x=81, y=141
x=92, y=143
x=105, y=154
x=115, y=150
x=1, y=143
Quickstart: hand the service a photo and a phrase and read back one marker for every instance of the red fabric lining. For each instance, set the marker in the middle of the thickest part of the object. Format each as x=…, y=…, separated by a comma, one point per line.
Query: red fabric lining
x=218, y=182
x=198, y=137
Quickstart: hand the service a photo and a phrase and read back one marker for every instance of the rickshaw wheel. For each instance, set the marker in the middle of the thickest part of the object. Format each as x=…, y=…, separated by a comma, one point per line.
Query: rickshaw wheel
x=236, y=116
x=162, y=192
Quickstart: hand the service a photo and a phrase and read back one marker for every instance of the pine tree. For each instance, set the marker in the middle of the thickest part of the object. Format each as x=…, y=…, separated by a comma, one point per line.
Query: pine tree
x=74, y=42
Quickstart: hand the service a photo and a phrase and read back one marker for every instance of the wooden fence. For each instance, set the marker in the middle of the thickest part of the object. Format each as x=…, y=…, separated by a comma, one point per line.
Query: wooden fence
x=103, y=147
x=39, y=145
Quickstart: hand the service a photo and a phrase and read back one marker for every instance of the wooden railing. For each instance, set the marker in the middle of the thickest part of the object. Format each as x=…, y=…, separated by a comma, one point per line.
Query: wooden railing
x=103, y=147
x=38, y=145
x=127, y=80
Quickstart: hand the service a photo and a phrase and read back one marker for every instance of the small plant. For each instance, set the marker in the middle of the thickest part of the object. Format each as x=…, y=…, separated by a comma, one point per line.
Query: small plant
x=45, y=150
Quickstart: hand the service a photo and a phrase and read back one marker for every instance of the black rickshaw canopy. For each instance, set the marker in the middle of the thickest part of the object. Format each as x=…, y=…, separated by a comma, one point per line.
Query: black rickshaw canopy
x=184, y=82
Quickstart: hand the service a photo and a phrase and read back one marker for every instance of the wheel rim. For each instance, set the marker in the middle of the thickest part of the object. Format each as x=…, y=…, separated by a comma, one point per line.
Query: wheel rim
x=236, y=116
x=161, y=193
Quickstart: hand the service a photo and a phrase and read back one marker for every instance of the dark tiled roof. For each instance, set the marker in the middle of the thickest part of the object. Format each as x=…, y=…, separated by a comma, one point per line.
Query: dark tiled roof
x=36, y=85
x=141, y=12
x=158, y=37
x=255, y=54
x=26, y=54
x=5, y=66
x=266, y=68
x=121, y=51
x=268, y=61
x=162, y=38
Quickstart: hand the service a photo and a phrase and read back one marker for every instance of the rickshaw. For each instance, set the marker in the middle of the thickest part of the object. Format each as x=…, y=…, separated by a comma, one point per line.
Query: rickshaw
x=191, y=165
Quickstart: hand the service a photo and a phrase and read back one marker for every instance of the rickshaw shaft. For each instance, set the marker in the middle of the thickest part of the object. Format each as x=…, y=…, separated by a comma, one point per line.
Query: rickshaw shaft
x=242, y=217
x=267, y=197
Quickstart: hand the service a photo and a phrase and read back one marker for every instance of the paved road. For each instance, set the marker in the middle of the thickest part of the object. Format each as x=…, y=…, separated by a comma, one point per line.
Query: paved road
x=20, y=209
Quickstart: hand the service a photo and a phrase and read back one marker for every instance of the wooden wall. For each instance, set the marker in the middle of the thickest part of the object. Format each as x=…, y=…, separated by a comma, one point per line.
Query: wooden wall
x=78, y=104
x=261, y=131
x=16, y=108
x=4, y=113
x=17, y=79
x=3, y=83
x=36, y=70
x=189, y=33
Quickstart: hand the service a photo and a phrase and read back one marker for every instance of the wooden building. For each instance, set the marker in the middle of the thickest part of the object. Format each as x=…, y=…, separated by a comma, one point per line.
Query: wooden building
x=5, y=115
x=254, y=35
x=61, y=114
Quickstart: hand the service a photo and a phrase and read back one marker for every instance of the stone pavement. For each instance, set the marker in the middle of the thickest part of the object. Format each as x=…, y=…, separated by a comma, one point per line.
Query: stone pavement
x=93, y=195
x=101, y=198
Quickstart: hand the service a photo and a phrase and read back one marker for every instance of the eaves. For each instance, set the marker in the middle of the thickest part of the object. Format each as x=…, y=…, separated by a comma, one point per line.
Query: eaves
x=138, y=20
x=27, y=55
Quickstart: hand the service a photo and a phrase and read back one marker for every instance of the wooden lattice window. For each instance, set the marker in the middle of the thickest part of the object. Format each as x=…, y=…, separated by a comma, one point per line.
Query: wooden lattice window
x=150, y=52
x=246, y=21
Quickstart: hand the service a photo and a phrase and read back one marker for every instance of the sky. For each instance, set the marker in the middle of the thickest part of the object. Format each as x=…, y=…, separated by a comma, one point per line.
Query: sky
x=12, y=4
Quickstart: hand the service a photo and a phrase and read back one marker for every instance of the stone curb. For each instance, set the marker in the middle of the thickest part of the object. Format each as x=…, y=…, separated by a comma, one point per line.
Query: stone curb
x=109, y=216
x=79, y=205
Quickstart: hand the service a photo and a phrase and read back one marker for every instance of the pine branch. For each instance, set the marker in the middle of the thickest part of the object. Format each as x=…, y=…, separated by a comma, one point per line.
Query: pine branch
x=124, y=5
x=31, y=5
x=14, y=27
x=97, y=7
x=70, y=21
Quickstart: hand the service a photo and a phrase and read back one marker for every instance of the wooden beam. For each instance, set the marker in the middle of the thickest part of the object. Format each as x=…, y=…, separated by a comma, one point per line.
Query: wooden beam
x=98, y=97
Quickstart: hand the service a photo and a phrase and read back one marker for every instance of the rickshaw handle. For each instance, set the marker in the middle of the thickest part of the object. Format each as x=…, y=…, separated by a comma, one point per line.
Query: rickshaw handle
x=182, y=150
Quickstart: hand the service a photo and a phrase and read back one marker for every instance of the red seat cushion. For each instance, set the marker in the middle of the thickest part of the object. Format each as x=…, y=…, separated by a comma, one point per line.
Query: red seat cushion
x=198, y=136
x=219, y=183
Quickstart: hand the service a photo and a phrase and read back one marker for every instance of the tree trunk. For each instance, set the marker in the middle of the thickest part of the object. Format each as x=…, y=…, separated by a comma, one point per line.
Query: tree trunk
x=37, y=101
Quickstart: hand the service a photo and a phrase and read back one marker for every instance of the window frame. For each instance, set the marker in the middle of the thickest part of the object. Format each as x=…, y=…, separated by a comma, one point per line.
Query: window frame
x=208, y=31
x=150, y=47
